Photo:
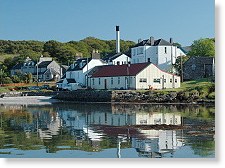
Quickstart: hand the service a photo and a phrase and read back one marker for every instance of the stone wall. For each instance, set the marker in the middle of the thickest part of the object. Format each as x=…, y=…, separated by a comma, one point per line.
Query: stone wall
x=130, y=96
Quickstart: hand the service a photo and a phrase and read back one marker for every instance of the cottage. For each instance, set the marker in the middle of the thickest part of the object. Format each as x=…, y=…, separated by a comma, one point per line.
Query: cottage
x=79, y=69
x=132, y=76
x=46, y=69
x=160, y=52
x=28, y=66
x=199, y=67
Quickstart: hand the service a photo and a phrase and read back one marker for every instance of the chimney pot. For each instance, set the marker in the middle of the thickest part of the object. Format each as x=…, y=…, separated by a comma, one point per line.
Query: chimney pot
x=152, y=41
x=117, y=40
x=139, y=40
x=117, y=28
x=171, y=40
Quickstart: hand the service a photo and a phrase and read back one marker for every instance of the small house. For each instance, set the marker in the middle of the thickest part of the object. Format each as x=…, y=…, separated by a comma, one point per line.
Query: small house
x=132, y=76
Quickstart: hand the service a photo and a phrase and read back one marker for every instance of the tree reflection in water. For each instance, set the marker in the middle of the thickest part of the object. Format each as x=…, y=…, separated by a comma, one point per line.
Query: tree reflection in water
x=97, y=127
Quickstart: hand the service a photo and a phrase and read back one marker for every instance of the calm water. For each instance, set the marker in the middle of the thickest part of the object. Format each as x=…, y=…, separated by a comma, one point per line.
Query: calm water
x=106, y=131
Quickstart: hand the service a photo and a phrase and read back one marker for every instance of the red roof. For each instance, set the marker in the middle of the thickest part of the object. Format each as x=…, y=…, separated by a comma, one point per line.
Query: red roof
x=120, y=70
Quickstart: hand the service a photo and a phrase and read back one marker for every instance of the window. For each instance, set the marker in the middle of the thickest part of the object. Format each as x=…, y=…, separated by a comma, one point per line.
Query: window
x=143, y=80
x=111, y=81
x=156, y=80
x=93, y=81
x=118, y=80
x=149, y=60
x=99, y=81
x=164, y=80
x=175, y=80
x=118, y=63
x=165, y=50
x=171, y=80
x=140, y=50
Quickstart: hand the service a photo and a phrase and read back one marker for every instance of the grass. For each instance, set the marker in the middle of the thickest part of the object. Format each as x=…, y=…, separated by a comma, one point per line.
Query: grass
x=4, y=56
x=198, y=85
x=5, y=89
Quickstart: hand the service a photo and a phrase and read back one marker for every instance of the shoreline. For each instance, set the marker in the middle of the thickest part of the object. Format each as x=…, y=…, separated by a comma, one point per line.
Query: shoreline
x=48, y=100
x=28, y=100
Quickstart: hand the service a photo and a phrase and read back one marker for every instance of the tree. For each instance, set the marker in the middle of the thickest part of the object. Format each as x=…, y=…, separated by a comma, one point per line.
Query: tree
x=16, y=79
x=203, y=47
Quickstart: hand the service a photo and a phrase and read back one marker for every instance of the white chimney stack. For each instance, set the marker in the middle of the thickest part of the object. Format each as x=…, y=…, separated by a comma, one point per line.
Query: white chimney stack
x=117, y=39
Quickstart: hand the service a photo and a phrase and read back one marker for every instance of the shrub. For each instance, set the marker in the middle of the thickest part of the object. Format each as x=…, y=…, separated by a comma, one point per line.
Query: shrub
x=211, y=95
x=7, y=80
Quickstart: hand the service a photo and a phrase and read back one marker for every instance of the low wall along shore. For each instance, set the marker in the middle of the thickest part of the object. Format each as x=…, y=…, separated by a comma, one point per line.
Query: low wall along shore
x=122, y=96
x=130, y=96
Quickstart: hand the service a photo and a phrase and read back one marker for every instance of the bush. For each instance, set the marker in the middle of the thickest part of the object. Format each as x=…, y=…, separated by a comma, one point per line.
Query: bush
x=7, y=80
x=16, y=79
x=211, y=95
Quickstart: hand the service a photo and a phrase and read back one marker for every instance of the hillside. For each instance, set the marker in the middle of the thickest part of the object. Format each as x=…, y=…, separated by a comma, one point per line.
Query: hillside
x=62, y=52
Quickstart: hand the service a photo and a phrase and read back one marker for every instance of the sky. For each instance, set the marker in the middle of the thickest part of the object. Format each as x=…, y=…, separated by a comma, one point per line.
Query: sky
x=66, y=20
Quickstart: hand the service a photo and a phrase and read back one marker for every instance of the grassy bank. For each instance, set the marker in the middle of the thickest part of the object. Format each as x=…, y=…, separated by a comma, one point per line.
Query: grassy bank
x=202, y=88
x=22, y=87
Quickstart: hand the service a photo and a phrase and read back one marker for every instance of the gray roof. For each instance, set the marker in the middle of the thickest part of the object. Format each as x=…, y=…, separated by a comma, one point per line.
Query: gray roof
x=185, y=49
x=77, y=64
x=159, y=42
x=200, y=60
x=44, y=64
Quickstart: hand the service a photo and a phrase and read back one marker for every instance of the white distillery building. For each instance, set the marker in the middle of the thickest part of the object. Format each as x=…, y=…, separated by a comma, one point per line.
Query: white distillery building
x=118, y=59
x=78, y=70
x=132, y=76
x=160, y=52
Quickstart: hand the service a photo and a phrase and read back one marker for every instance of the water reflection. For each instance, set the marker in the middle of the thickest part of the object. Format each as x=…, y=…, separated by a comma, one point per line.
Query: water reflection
x=97, y=127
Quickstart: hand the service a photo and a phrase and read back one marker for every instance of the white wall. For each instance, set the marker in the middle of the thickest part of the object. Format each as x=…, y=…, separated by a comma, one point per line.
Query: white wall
x=157, y=55
x=80, y=75
x=152, y=72
x=123, y=59
x=122, y=84
x=143, y=80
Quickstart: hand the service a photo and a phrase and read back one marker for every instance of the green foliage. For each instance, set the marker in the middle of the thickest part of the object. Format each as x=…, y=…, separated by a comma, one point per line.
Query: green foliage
x=203, y=47
x=211, y=95
x=62, y=52
x=15, y=79
x=7, y=80
x=180, y=60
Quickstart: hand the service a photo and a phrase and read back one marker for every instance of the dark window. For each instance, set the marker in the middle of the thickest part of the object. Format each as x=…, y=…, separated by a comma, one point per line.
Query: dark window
x=156, y=80
x=118, y=62
x=175, y=80
x=93, y=81
x=149, y=60
x=171, y=80
x=164, y=80
x=118, y=80
x=143, y=80
x=99, y=81
x=111, y=81
x=165, y=50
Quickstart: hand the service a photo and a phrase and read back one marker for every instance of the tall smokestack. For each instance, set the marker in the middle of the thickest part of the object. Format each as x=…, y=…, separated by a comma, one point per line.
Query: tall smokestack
x=117, y=39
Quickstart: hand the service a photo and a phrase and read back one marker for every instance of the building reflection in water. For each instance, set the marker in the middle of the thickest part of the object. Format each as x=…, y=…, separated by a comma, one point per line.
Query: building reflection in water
x=94, y=126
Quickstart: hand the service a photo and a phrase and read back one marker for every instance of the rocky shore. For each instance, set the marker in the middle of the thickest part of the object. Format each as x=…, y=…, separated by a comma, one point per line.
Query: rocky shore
x=124, y=96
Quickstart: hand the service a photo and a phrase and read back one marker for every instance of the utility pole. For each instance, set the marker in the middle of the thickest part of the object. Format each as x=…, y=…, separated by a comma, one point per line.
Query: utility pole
x=181, y=68
x=37, y=72
x=87, y=72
